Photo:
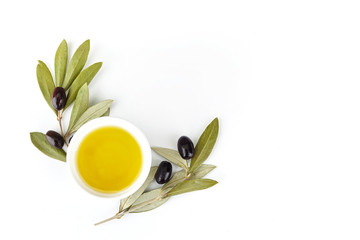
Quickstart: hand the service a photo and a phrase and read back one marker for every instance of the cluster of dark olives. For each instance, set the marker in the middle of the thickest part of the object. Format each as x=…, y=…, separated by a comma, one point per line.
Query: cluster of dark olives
x=58, y=101
x=186, y=150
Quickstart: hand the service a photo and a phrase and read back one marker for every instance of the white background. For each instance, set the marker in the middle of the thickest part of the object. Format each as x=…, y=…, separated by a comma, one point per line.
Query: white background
x=282, y=76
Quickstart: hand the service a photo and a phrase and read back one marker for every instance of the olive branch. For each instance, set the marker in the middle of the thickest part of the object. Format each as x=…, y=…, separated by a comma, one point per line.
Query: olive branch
x=70, y=86
x=186, y=180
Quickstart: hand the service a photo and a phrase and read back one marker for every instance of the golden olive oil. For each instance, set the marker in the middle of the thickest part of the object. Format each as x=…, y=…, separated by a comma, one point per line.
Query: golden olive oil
x=109, y=159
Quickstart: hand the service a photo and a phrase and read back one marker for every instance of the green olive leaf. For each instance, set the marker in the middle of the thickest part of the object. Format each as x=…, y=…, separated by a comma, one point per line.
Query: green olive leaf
x=205, y=144
x=150, y=196
x=80, y=105
x=127, y=202
x=85, y=76
x=76, y=64
x=178, y=176
x=202, y=171
x=91, y=113
x=61, y=57
x=191, y=185
x=46, y=82
x=171, y=155
x=107, y=113
x=39, y=140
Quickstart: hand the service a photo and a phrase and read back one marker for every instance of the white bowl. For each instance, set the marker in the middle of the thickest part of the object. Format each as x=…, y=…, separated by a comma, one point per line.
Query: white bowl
x=113, y=122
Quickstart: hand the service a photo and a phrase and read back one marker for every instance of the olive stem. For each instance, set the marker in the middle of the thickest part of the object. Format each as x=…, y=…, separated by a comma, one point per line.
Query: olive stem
x=66, y=135
x=59, y=117
x=117, y=216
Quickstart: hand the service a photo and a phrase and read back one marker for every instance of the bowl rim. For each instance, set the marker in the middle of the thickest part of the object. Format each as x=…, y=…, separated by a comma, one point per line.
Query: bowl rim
x=97, y=123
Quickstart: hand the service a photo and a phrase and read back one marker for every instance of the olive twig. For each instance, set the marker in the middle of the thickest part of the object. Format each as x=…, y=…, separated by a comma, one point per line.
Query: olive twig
x=116, y=216
x=62, y=132
x=67, y=134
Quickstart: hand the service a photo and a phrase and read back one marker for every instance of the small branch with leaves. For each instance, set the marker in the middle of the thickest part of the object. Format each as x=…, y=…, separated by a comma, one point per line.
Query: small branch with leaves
x=71, y=82
x=186, y=180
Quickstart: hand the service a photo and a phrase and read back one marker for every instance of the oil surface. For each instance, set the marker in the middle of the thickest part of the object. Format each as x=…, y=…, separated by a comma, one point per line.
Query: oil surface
x=109, y=159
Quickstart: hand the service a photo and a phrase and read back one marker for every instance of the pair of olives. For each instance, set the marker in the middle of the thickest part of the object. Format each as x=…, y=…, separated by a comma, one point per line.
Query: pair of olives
x=58, y=101
x=186, y=150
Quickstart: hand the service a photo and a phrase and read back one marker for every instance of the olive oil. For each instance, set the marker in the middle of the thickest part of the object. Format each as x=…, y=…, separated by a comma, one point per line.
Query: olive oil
x=109, y=159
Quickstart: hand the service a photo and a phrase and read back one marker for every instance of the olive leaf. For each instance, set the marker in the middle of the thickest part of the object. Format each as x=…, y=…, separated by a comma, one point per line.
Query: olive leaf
x=191, y=185
x=76, y=64
x=60, y=63
x=171, y=155
x=91, y=113
x=127, y=202
x=39, y=140
x=151, y=197
x=85, y=76
x=46, y=82
x=107, y=113
x=202, y=171
x=80, y=105
x=205, y=144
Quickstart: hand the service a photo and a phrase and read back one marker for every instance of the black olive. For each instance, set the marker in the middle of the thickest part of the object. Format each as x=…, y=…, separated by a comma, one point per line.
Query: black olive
x=55, y=139
x=185, y=147
x=163, y=172
x=70, y=139
x=58, y=99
